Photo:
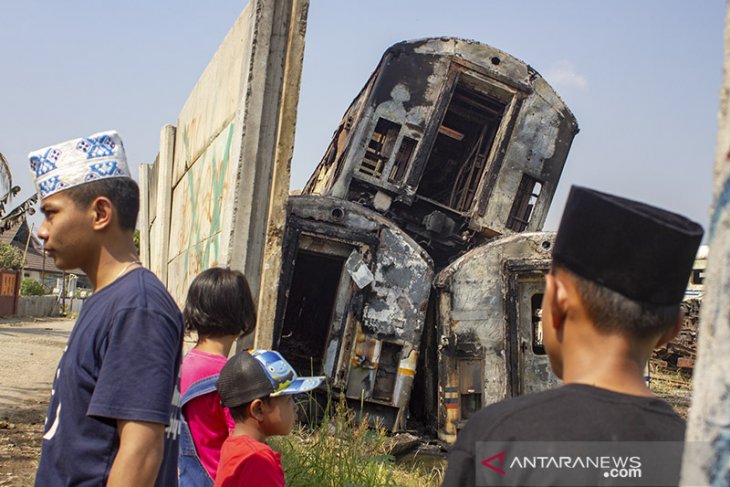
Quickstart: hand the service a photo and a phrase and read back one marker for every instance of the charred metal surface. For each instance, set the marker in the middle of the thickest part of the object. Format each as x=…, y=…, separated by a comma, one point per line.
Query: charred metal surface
x=352, y=302
x=489, y=313
x=447, y=159
x=454, y=141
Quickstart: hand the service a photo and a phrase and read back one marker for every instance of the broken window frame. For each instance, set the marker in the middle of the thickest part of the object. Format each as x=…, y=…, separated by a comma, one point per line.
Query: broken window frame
x=298, y=229
x=476, y=391
x=509, y=94
x=525, y=202
x=517, y=346
x=380, y=148
x=395, y=169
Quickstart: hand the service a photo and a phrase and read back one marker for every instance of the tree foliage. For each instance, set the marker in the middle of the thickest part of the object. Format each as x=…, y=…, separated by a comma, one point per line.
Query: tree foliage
x=11, y=259
x=31, y=287
x=136, y=240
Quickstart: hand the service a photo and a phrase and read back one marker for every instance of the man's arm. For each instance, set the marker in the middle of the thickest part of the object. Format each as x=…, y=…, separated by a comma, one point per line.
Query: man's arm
x=141, y=446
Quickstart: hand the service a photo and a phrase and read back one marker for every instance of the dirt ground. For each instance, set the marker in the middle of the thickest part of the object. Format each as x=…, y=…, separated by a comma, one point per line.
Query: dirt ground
x=29, y=354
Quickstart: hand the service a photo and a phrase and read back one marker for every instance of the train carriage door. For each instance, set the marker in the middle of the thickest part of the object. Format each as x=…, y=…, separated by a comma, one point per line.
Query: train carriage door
x=528, y=362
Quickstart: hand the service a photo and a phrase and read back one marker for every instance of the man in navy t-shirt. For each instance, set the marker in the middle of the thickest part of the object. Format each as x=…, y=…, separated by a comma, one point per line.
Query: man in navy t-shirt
x=113, y=416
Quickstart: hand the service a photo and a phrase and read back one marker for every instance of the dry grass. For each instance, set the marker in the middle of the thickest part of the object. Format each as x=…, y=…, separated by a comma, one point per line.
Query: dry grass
x=672, y=386
x=344, y=451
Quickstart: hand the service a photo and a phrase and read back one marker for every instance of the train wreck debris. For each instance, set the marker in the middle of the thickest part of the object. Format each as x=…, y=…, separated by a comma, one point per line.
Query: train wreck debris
x=490, y=327
x=352, y=302
x=450, y=145
x=445, y=164
x=455, y=141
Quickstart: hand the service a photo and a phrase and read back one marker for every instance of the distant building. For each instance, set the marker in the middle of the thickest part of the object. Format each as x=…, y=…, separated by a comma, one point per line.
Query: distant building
x=695, y=286
x=37, y=266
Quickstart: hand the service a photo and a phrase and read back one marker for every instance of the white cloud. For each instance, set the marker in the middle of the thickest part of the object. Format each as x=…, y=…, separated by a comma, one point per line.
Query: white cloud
x=564, y=74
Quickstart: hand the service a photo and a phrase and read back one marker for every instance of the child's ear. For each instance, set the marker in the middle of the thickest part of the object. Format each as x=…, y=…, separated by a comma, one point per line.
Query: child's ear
x=255, y=409
x=102, y=209
x=669, y=335
x=556, y=297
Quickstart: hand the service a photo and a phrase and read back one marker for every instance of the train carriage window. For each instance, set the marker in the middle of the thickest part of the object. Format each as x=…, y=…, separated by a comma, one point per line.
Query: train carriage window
x=460, y=153
x=538, y=348
x=470, y=386
x=402, y=158
x=380, y=147
x=524, y=204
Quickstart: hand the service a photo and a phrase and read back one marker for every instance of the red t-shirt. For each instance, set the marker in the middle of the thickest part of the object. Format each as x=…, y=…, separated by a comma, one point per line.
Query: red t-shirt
x=247, y=462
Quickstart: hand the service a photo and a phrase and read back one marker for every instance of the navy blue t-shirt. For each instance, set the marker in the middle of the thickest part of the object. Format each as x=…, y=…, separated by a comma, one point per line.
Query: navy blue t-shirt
x=122, y=361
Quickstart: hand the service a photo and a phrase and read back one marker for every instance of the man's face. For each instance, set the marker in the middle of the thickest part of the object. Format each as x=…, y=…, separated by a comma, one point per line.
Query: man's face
x=67, y=232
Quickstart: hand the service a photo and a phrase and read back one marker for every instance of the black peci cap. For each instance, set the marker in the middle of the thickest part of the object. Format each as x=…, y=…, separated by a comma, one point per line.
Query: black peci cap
x=640, y=251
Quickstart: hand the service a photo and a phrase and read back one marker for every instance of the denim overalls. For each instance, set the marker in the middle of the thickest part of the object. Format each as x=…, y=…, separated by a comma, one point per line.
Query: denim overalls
x=192, y=471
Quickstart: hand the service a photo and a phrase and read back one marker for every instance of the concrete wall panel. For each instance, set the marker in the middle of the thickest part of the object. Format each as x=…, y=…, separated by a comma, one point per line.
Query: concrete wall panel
x=194, y=259
x=214, y=100
x=38, y=306
x=199, y=198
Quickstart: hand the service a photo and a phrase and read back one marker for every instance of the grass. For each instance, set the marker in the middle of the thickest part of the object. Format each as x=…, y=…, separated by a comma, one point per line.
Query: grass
x=344, y=451
x=673, y=386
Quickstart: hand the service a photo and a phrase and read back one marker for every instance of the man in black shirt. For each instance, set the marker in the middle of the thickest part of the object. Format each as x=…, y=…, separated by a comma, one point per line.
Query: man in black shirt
x=619, y=273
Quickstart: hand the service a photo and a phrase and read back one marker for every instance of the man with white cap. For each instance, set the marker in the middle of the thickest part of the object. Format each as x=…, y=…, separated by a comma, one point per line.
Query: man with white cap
x=112, y=418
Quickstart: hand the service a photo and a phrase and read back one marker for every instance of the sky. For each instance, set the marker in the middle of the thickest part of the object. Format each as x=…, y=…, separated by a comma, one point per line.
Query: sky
x=641, y=77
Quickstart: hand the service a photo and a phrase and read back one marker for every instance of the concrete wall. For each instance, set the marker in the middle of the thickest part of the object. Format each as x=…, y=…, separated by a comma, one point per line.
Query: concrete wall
x=707, y=459
x=38, y=306
x=215, y=171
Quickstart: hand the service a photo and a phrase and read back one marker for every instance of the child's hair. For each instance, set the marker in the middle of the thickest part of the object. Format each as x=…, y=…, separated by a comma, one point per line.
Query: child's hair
x=614, y=313
x=219, y=303
x=240, y=413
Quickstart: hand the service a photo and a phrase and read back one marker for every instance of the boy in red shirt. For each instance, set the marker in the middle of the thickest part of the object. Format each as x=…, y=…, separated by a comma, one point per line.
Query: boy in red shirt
x=258, y=387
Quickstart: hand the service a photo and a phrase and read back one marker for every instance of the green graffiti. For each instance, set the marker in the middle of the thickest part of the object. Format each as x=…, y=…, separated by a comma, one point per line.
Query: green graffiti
x=210, y=249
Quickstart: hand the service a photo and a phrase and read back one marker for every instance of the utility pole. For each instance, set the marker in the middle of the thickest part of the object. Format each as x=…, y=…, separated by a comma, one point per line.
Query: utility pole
x=25, y=252
x=707, y=450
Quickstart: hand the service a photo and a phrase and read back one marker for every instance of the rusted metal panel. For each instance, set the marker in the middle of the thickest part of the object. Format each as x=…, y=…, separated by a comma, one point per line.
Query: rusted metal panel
x=486, y=311
x=9, y=287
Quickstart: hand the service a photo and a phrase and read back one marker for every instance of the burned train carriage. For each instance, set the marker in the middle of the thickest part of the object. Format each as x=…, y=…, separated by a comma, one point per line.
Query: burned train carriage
x=450, y=146
x=352, y=303
x=455, y=141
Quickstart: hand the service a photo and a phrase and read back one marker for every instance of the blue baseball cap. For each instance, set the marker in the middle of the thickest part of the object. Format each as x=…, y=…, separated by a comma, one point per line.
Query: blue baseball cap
x=260, y=373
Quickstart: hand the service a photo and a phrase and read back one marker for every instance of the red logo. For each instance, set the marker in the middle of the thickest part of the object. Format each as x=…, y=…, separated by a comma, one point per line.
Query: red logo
x=487, y=462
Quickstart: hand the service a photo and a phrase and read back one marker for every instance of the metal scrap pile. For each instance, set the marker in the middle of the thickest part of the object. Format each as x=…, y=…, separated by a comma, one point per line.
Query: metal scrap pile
x=680, y=353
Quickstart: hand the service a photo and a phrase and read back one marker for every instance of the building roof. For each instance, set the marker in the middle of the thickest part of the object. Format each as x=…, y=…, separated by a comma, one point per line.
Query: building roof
x=34, y=262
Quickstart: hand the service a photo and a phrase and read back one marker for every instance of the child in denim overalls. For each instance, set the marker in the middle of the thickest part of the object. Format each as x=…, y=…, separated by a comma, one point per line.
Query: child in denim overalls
x=219, y=307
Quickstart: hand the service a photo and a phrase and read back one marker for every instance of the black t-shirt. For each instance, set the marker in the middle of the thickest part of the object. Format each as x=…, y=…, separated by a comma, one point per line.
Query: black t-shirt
x=571, y=413
x=122, y=362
